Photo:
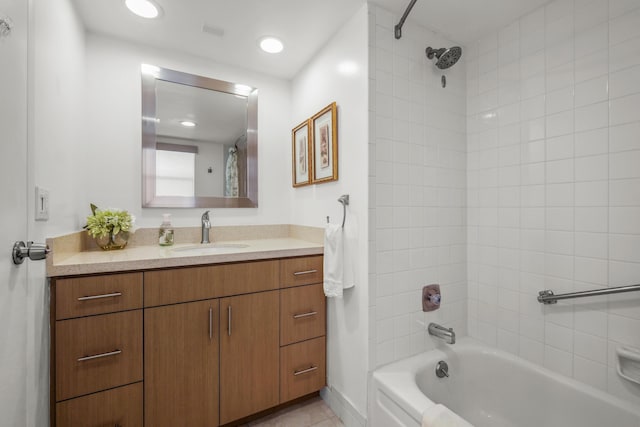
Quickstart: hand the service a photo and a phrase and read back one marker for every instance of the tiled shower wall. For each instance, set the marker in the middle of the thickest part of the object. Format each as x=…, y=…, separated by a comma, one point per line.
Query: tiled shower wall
x=417, y=188
x=554, y=186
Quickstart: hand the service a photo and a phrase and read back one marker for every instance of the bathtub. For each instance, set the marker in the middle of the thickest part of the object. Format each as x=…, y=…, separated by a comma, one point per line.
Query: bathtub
x=490, y=388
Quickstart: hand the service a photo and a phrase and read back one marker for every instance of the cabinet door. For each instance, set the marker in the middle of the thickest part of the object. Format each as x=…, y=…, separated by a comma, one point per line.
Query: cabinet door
x=249, y=354
x=181, y=365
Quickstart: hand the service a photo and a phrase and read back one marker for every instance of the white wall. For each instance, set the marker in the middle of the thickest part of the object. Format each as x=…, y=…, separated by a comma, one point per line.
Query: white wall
x=417, y=179
x=553, y=179
x=338, y=72
x=56, y=130
x=110, y=173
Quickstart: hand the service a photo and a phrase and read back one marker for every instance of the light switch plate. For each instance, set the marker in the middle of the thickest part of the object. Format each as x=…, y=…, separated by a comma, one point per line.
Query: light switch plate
x=42, y=204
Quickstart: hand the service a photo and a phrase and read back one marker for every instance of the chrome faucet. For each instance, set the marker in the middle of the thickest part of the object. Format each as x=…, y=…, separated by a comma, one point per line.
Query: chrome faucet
x=441, y=332
x=206, y=225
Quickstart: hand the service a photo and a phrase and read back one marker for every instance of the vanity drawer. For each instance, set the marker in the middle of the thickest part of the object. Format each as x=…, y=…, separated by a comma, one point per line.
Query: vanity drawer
x=301, y=271
x=121, y=406
x=83, y=296
x=302, y=313
x=164, y=287
x=98, y=352
x=302, y=368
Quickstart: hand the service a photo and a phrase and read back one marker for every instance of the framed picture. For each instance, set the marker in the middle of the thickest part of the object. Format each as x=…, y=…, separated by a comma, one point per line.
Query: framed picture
x=325, y=145
x=301, y=143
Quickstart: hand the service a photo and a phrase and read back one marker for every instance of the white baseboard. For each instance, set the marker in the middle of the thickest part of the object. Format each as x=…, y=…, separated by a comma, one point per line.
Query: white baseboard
x=341, y=406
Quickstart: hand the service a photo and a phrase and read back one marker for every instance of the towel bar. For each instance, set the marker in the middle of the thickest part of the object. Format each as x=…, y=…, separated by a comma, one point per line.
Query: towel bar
x=344, y=199
x=548, y=297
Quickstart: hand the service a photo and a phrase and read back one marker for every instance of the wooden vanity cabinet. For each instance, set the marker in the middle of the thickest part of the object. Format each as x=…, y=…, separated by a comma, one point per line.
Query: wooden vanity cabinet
x=249, y=354
x=192, y=346
x=96, y=351
x=181, y=364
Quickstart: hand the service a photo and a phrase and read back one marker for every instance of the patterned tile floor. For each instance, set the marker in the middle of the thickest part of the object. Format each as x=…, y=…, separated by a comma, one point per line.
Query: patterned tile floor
x=313, y=412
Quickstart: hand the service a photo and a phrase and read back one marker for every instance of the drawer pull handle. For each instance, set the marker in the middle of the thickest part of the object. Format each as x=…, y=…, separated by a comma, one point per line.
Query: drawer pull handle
x=115, y=294
x=299, y=316
x=300, y=273
x=304, y=371
x=98, y=356
x=229, y=319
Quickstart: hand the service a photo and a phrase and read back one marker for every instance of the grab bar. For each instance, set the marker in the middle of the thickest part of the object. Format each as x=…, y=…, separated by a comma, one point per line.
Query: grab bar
x=548, y=297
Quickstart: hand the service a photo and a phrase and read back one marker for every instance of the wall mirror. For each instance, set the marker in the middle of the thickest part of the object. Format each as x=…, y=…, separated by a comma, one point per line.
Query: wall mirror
x=199, y=141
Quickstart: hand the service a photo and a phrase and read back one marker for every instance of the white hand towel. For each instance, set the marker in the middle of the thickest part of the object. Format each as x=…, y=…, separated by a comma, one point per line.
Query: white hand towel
x=333, y=260
x=440, y=416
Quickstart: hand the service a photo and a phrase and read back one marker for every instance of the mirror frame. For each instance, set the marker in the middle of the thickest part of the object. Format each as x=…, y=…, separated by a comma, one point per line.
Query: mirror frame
x=149, y=198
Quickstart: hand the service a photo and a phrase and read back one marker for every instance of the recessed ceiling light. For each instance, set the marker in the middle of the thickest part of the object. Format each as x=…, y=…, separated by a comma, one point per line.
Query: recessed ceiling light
x=271, y=45
x=143, y=8
x=188, y=123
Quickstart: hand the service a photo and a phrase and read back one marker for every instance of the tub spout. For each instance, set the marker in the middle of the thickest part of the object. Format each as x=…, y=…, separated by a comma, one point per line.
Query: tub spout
x=441, y=332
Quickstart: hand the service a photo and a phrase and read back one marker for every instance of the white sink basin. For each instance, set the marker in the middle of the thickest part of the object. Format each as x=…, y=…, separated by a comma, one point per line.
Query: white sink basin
x=210, y=248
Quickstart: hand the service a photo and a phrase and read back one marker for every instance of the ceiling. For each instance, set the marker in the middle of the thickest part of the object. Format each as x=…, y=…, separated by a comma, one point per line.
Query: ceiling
x=304, y=25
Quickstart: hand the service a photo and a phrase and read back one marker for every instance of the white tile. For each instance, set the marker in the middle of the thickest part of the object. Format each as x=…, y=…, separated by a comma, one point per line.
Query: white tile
x=559, y=266
x=561, y=147
x=591, y=321
x=624, y=27
x=623, y=273
x=624, y=137
x=488, y=43
x=591, y=270
x=590, y=15
x=558, y=195
x=559, y=53
x=508, y=34
x=532, y=108
x=624, y=192
x=624, y=220
x=624, y=330
x=532, y=130
x=592, y=142
x=533, y=86
x=624, y=247
x=559, y=30
x=559, y=100
x=559, y=242
x=591, y=91
x=624, y=55
x=591, y=219
x=591, y=193
x=592, y=117
x=531, y=350
x=558, y=361
x=624, y=164
x=531, y=65
x=592, y=168
x=590, y=372
x=625, y=110
x=532, y=22
x=560, y=219
x=558, y=337
x=558, y=9
x=532, y=152
x=624, y=82
x=620, y=7
x=562, y=76
x=561, y=170
x=592, y=39
x=592, y=65
x=591, y=245
x=560, y=124
x=488, y=61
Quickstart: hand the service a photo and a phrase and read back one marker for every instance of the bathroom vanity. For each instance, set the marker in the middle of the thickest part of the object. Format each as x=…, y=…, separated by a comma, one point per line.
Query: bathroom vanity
x=192, y=340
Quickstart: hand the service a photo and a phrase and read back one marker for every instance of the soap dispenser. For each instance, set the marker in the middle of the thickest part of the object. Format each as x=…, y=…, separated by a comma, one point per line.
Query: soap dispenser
x=165, y=235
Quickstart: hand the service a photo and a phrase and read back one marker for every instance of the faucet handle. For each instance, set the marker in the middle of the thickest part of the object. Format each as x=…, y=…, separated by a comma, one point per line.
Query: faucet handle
x=205, y=216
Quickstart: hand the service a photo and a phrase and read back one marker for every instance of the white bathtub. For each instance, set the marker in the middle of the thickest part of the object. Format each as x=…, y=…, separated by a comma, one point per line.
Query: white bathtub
x=490, y=388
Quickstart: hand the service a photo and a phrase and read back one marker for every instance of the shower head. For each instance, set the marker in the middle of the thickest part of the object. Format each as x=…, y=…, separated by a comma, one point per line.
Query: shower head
x=445, y=57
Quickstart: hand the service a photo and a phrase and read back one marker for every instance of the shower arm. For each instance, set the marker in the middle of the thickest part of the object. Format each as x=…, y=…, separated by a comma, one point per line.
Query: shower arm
x=398, y=27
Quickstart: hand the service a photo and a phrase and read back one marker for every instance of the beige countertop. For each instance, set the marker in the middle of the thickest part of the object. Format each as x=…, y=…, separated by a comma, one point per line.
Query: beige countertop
x=75, y=255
